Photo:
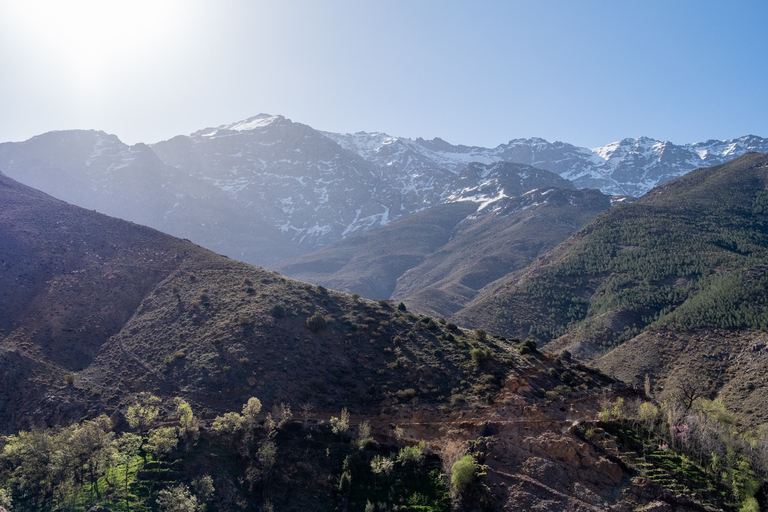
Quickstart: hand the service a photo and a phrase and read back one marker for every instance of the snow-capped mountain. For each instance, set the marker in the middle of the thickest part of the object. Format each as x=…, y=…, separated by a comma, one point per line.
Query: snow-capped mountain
x=628, y=167
x=266, y=188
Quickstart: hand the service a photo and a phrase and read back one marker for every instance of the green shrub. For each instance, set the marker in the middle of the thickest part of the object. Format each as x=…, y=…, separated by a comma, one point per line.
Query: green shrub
x=463, y=473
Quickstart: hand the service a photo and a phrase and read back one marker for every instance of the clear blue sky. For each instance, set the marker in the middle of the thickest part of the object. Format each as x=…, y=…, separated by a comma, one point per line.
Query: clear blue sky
x=471, y=72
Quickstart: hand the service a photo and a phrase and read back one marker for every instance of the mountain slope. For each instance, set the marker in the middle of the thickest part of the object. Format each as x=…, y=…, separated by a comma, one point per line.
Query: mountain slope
x=691, y=254
x=370, y=263
x=493, y=242
x=71, y=279
x=95, y=310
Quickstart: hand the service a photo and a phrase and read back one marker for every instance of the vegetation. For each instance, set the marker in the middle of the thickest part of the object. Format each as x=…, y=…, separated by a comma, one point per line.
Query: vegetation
x=692, y=451
x=694, y=255
x=89, y=463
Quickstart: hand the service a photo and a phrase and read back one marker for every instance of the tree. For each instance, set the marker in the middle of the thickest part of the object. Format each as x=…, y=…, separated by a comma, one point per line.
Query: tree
x=647, y=414
x=189, y=426
x=161, y=441
x=381, y=465
x=177, y=498
x=203, y=487
x=281, y=414
x=250, y=411
x=5, y=499
x=340, y=425
x=143, y=413
x=686, y=389
x=363, y=435
x=89, y=449
x=127, y=447
x=411, y=456
x=228, y=426
x=31, y=454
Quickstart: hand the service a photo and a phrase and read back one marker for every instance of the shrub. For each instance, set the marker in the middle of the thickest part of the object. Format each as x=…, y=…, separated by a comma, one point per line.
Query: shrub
x=479, y=356
x=69, y=379
x=277, y=311
x=463, y=473
x=316, y=322
x=528, y=346
x=451, y=326
x=405, y=394
x=401, y=307
x=410, y=456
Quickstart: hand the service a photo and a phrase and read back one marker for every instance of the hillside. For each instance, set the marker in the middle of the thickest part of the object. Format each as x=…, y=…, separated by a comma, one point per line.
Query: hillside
x=492, y=243
x=98, y=312
x=438, y=259
x=688, y=255
x=112, y=308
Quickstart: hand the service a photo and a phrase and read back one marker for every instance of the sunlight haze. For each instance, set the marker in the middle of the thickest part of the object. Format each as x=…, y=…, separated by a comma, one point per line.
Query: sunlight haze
x=477, y=74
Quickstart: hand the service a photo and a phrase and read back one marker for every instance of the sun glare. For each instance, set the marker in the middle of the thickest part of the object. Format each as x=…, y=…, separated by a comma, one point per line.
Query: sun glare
x=90, y=43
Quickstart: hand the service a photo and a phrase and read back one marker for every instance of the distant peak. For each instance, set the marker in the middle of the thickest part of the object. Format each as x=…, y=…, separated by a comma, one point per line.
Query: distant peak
x=259, y=121
x=252, y=123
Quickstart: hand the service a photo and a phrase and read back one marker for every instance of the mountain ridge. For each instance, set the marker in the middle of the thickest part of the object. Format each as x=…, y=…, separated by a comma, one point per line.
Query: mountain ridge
x=266, y=189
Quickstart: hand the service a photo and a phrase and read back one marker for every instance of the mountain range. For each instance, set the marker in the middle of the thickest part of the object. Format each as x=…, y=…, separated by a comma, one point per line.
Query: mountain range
x=267, y=189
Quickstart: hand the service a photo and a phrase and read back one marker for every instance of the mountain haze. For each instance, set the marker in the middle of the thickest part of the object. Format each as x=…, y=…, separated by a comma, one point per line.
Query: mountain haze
x=268, y=189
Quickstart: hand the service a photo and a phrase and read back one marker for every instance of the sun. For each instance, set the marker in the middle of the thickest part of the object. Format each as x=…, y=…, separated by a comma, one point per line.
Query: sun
x=89, y=43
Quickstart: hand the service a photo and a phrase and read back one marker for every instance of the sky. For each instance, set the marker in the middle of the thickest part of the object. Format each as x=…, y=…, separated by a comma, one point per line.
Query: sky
x=477, y=72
